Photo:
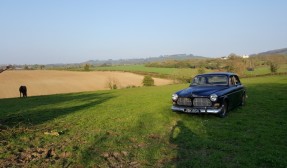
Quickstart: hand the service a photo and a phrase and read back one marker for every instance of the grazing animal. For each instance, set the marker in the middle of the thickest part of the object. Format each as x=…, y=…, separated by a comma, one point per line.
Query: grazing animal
x=23, y=91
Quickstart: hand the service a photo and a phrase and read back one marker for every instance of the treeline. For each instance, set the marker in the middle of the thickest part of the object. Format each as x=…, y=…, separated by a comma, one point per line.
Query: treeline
x=192, y=63
x=26, y=67
x=232, y=63
x=239, y=65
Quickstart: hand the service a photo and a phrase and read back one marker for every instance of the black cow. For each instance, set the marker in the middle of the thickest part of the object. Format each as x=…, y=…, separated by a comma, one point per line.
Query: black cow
x=23, y=91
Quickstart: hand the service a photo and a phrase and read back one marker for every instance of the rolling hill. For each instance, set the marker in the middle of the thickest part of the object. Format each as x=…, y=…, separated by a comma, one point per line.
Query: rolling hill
x=143, y=60
x=282, y=51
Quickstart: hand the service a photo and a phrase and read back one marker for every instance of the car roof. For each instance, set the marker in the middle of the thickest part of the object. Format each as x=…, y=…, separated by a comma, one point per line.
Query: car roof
x=218, y=73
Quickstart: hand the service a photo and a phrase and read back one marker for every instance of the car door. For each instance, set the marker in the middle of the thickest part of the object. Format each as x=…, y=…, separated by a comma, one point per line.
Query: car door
x=232, y=92
x=239, y=90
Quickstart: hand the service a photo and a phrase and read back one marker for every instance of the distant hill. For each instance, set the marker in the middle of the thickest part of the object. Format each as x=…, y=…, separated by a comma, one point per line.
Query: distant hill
x=143, y=60
x=277, y=51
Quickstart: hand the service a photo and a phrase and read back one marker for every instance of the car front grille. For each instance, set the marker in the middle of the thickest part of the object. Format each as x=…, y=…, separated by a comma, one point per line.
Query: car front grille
x=201, y=102
x=182, y=101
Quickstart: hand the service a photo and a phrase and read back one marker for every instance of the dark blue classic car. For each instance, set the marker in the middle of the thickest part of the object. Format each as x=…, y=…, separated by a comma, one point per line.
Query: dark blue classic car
x=210, y=93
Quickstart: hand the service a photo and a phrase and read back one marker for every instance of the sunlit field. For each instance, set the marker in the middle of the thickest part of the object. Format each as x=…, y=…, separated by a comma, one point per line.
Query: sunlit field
x=137, y=68
x=135, y=128
x=46, y=82
x=262, y=70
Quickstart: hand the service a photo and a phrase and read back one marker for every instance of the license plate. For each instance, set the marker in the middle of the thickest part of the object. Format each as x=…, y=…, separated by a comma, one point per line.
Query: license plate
x=192, y=110
x=195, y=110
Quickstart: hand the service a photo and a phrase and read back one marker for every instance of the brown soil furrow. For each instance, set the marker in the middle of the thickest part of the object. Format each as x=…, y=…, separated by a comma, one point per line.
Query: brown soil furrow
x=45, y=82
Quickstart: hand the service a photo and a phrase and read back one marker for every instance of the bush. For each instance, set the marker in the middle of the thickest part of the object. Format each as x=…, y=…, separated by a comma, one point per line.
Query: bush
x=87, y=67
x=148, y=81
x=112, y=83
x=183, y=75
x=235, y=64
x=131, y=86
x=201, y=70
x=273, y=67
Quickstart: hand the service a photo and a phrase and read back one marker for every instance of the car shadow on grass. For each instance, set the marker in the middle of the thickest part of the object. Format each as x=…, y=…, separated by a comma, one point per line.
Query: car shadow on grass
x=39, y=109
x=246, y=137
x=186, y=142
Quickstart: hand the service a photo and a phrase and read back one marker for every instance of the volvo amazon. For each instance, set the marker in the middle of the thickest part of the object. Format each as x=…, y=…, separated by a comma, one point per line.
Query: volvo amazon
x=215, y=93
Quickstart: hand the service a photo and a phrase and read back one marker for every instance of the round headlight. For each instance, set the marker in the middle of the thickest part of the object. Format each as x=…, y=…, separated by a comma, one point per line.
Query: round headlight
x=213, y=97
x=174, y=97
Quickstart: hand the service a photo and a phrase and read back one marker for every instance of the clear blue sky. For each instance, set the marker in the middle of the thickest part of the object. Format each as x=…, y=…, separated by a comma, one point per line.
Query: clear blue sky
x=73, y=31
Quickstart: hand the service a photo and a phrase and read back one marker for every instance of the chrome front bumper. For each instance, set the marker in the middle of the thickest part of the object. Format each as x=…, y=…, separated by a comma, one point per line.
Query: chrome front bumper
x=196, y=109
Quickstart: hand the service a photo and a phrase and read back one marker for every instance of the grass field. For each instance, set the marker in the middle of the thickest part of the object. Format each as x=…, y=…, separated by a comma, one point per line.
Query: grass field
x=175, y=71
x=137, y=68
x=157, y=72
x=136, y=128
x=265, y=70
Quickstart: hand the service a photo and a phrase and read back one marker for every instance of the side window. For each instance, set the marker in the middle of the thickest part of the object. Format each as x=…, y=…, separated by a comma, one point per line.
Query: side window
x=237, y=80
x=231, y=81
x=202, y=81
x=234, y=80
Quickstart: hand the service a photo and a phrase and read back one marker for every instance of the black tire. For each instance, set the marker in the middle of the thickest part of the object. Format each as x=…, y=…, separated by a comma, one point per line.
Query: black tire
x=243, y=99
x=224, y=110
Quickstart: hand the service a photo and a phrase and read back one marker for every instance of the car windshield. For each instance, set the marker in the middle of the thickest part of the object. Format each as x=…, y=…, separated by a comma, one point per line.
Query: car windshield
x=210, y=80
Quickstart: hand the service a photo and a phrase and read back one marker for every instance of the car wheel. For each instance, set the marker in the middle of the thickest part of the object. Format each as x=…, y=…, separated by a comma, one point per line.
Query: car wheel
x=223, y=112
x=243, y=98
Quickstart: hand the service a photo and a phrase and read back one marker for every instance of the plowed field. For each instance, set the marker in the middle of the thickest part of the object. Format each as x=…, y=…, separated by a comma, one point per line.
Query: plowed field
x=45, y=82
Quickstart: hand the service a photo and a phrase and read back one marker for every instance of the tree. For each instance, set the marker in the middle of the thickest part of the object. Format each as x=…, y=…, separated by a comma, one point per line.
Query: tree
x=112, y=83
x=235, y=64
x=26, y=67
x=183, y=75
x=87, y=67
x=42, y=67
x=200, y=70
x=148, y=81
x=273, y=67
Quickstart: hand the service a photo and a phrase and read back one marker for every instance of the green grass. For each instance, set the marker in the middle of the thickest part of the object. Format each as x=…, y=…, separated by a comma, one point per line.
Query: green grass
x=265, y=70
x=135, y=127
x=178, y=73
x=141, y=69
x=181, y=74
x=137, y=68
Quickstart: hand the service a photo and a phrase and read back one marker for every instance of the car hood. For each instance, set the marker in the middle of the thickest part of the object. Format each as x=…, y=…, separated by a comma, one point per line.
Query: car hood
x=200, y=91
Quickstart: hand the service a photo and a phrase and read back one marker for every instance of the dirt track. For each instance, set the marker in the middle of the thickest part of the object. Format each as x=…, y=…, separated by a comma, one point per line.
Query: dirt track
x=45, y=82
